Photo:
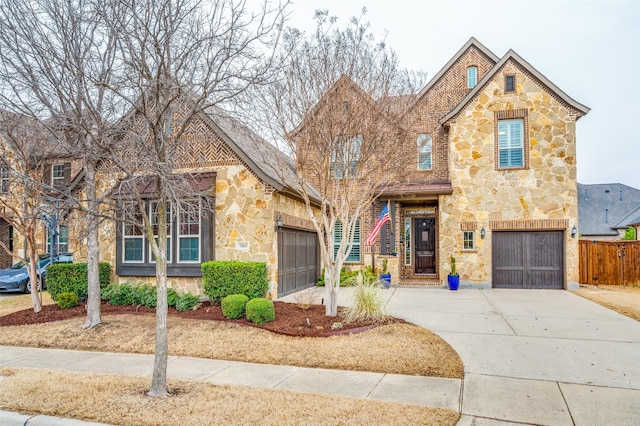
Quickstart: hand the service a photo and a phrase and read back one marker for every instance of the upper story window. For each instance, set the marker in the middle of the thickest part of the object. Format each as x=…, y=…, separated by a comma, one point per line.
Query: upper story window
x=57, y=175
x=354, y=255
x=425, y=148
x=472, y=77
x=509, y=83
x=345, y=156
x=4, y=179
x=511, y=143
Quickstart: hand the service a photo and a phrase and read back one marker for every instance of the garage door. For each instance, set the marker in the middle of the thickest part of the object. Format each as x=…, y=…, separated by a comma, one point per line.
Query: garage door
x=528, y=259
x=297, y=260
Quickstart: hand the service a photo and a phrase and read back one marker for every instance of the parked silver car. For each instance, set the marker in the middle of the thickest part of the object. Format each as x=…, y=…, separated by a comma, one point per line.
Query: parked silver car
x=16, y=277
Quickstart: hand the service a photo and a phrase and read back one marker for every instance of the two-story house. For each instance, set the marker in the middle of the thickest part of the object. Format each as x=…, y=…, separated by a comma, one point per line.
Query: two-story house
x=490, y=179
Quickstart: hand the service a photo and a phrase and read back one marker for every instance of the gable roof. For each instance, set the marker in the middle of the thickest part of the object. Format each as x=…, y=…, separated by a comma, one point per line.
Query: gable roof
x=605, y=208
x=634, y=222
x=471, y=43
x=513, y=56
x=268, y=162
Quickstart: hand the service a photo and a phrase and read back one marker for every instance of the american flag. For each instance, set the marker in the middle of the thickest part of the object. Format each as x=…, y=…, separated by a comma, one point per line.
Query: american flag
x=382, y=219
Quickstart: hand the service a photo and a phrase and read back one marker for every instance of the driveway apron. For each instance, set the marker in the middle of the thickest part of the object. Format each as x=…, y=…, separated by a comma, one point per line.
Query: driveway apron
x=534, y=356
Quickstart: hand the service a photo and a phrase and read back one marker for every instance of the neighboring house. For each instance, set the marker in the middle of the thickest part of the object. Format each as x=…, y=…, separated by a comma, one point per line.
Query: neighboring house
x=636, y=224
x=490, y=179
x=606, y=210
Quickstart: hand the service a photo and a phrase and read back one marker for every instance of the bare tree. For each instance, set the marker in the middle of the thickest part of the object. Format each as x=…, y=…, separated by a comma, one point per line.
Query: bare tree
x=178, y=58
x=57, y=58
x=22, y=191
x=334, y=109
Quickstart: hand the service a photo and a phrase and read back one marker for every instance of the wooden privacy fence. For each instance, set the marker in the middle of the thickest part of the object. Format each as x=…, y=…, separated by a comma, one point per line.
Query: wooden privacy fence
x=609, y=262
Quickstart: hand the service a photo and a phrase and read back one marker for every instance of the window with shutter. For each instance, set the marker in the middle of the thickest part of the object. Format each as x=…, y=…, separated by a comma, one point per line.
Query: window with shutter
x=57, y=175
x=354, y=255
x=511, y=143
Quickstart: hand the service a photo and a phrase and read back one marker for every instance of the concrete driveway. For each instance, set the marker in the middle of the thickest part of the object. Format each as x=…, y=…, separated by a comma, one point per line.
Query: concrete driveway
x=534, y=356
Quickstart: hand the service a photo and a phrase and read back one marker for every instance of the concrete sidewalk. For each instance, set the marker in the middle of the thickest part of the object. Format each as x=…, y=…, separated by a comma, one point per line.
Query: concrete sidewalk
x=426, y=391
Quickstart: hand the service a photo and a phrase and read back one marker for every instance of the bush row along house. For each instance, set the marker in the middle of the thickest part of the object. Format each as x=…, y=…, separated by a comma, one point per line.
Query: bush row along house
x=489, y=178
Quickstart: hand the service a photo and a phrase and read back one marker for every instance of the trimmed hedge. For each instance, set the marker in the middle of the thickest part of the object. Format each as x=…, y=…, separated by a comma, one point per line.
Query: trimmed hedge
x=223, y=277
x=67, y=300
x=144, y=295
x=260, y=310
x=233, y=306
x=72, y=277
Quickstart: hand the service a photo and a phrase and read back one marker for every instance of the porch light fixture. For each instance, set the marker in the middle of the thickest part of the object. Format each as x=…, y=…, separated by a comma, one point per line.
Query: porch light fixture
x=574, y=232
x=482, y=233
x=279, y=223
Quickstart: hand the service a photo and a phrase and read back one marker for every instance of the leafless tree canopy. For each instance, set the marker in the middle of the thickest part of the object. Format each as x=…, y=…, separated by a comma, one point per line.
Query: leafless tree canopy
x=334, y=109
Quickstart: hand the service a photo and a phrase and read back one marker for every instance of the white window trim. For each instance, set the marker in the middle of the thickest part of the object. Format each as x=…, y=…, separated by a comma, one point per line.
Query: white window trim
x=472, y=240
x=180, y=236
x=55, y=178
x=475, y=77
x=355, y=243
x=126, y=237
x=510, y=144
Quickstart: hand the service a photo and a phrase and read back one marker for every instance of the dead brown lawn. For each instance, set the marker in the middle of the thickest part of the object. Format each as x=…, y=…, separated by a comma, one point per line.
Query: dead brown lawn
x=103, y=398
x=393, y=348
x=625, y=300
x=17, y=303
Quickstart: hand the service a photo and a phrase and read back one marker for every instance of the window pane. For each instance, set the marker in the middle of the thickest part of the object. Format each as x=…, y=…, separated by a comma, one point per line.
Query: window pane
x=407, y=241
x=511, y=143
x=354, y=256
x=189, y=249
x=472, y=77
x=468, y=242
x=133, y=250
x=425, y=144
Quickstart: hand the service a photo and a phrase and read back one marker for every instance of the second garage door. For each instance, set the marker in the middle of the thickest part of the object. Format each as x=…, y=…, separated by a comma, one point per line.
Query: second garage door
x=297, y=260
x=528, y=259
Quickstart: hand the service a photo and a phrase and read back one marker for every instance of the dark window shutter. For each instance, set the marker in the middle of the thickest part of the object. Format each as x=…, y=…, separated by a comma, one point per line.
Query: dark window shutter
x=67, y=174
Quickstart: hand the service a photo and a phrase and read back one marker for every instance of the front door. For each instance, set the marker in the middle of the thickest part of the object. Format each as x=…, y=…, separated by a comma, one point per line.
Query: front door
x=424, y=231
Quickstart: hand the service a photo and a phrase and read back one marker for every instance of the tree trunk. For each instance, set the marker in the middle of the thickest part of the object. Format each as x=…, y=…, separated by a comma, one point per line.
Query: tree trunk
x=159, y=379
x=93, y=250
x=33, y=275
x=331, y=284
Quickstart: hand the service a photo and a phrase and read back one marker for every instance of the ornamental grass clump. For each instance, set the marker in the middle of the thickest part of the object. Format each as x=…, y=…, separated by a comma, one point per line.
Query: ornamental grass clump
x=367, y=303
x=260, y=310
x=233, y=306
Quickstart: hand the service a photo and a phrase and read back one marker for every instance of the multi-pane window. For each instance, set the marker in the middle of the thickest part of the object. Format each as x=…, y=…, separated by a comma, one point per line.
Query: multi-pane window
x=153, y=216
x=63, y=240
x=425, y=149
x=468, y=240
x=57, y=175
x=189, y=231
x=510, y=83
x=133, y=236
x=511, y=143
x=354, y=255
x=345, y=155
x=472, y=77
x=4, y=179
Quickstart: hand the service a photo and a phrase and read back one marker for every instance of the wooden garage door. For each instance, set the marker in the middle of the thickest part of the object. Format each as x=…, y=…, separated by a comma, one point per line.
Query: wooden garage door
x=528, y=259
x=297, y=260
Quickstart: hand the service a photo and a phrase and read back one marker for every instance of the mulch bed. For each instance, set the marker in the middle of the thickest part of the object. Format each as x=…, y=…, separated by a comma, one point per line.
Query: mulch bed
x=290, y=318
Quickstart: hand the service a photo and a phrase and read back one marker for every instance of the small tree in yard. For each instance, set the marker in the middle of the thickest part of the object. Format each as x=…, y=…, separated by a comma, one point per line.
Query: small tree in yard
x=178, y=58
x=334, y=110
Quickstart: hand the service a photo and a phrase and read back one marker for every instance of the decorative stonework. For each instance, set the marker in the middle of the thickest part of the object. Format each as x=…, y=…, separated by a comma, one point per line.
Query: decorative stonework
x=544, y=196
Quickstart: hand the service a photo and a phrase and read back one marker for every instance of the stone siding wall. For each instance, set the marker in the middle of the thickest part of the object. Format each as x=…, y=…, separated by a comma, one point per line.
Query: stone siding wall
x=545, y=190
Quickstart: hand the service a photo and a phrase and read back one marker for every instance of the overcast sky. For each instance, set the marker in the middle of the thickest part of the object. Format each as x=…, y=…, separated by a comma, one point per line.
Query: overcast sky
x=589, y=49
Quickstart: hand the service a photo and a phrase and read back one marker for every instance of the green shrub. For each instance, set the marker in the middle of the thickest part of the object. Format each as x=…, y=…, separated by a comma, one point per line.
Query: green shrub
x=260, y=310
x=233, y=306
x=172, y=297
x=222, y=278
x=187, y=302
x=122, y=295
x=348, y=278
x=67, y=300
x=72, y=277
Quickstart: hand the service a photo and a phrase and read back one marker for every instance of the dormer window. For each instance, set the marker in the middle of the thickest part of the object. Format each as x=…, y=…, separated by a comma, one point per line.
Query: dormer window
x=472, y=77
x=509, y=83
